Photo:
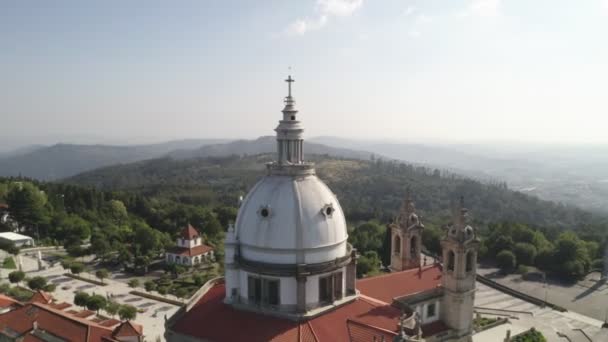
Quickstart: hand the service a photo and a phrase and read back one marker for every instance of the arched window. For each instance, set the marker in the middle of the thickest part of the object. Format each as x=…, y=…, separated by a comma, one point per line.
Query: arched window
x=397, y=245
x=414, y=248
x=451, y=260
x=470, y=261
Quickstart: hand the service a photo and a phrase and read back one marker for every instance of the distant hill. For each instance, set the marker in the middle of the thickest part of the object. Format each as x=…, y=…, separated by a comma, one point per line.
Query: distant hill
x=65, y=160
x=366, y=189
x=266, y=144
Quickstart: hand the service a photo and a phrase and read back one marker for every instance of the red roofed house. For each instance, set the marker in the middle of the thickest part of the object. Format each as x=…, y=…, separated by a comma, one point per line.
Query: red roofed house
x=290, y=273
x=190, y=249
x=41, y=320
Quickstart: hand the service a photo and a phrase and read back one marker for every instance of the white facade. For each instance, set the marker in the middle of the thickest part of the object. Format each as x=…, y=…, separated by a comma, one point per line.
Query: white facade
x=18, y=239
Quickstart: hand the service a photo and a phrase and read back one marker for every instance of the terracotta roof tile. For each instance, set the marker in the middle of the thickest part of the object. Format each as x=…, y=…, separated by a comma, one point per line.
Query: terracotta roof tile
x=211, y=319
x=189, y=233
x=128, y=329
x=398, y=284
x=55, y=322
x=41, y=297
x=8, y=301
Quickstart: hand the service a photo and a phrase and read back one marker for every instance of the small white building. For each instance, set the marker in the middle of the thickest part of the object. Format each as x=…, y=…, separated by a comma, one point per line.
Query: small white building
x=190, y=249
x=18, y=239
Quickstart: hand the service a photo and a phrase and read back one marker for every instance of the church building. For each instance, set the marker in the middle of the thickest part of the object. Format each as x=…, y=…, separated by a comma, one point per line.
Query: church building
x=290, y=273
x=189, y=249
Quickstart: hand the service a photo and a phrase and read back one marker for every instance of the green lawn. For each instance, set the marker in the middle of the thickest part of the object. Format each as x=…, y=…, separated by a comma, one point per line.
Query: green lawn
x=9, y=262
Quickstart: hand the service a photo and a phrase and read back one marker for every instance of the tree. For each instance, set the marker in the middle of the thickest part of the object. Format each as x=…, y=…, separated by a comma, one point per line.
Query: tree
x=16, y=276
x=26, y=204
x=368, y=264
x=9, y=247
x=506, y=260
x=102, y=274
x=81, y=299
x=37, y=283
x=127, y=312
x=96, y=302
x=368, y=236
x=525, y=253
x=112, y=308
x=66, y=263
x=118, y=211
x=76, y=268
x=134, y=283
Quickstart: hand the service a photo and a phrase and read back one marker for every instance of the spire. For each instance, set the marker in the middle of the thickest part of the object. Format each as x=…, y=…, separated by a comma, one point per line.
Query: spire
x=463, y=213
x=290, y=132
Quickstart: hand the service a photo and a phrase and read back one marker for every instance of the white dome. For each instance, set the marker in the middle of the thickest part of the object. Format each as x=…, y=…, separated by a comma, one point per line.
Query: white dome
x=291, y=220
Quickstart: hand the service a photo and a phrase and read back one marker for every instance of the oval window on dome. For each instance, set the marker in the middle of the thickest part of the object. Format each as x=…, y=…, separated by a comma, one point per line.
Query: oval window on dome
x=328, y=210
x=265, y=211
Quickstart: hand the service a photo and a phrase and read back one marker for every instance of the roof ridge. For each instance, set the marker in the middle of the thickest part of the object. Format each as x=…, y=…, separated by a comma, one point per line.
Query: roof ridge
x=312, y=330
x=370, y=326
x=373, y=301
x=405, y=271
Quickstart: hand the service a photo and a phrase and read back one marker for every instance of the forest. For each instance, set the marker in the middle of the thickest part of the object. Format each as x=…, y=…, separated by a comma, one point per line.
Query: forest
x=130, y=213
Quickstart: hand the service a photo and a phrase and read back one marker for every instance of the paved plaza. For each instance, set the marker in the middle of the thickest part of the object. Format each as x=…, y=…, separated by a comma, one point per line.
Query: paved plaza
x=555, y=325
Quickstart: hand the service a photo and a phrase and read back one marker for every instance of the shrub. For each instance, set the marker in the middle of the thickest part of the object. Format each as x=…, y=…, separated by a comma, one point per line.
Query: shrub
x=531, y=335
x=50, y=287
x=149, y=285
x=134, y=283
x=9, y=263
x=163, y=290
x=506, y=260
x=16, y=276
x=76, y=267
x=4, y=287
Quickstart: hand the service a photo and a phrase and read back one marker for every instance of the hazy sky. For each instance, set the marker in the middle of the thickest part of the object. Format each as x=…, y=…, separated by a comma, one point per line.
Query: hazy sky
x=456, y=70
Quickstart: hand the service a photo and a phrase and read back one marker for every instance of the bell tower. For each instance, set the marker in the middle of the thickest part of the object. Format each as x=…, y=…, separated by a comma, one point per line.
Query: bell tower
x=459, y=248
x=406, y=238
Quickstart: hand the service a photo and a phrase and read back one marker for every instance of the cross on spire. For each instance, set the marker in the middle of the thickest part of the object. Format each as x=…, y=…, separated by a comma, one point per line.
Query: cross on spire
x=289, y=81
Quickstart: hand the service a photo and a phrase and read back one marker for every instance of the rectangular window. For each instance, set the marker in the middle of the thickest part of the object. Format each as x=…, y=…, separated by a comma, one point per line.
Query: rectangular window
x=431, y=310
x=325, y=289
x=263, y=291
x=272, y=292
x=254, y=290
x=338, y=286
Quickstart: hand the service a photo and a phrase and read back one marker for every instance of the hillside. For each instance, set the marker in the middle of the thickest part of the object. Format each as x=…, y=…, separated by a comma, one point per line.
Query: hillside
x=366, y=189
x=65, y=160
x=266, y=144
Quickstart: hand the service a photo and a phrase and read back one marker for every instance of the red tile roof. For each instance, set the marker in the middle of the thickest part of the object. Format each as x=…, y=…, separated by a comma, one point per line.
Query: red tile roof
x=60, y=306
x=55, y=322
x=8, y=301
x=211, y=319
x=194, y=251
x=398, y=284
x=189, y=233
x=370, y=315
x=41, y=297
x=128, y=329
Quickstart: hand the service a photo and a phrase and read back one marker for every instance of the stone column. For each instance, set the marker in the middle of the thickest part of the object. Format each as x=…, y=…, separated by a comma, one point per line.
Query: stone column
x=351, y=274
x=301, y=278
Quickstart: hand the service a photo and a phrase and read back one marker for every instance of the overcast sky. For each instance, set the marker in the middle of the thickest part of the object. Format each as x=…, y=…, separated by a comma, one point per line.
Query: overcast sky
x=417, y=70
